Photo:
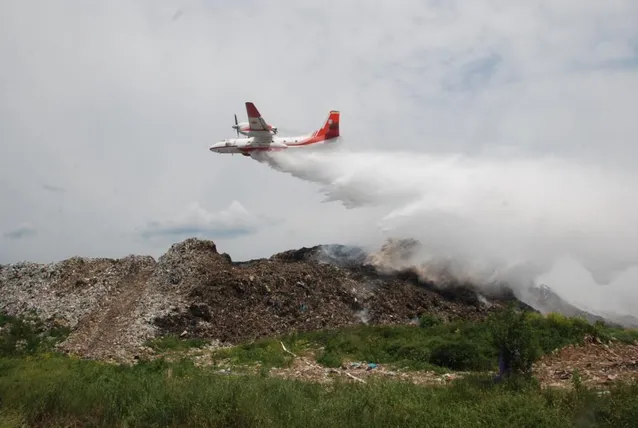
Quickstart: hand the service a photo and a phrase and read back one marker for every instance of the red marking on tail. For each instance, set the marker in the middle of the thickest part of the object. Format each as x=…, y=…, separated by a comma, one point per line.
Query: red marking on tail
x=329, y=131
x=252, y=110
x=330, y=128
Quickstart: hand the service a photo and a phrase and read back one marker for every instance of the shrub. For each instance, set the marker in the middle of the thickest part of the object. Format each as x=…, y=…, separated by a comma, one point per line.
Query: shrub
x=428, y=320
x=457, y=355
x=329, y=359
x=28, y=335
x=516, y=341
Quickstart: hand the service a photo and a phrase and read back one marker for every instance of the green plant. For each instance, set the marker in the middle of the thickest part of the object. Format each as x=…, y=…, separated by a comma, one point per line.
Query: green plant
x=267, y=352
x=28, y=335
x=329, y=359
x=428, y=320
x=515, y=339
x=458, y=355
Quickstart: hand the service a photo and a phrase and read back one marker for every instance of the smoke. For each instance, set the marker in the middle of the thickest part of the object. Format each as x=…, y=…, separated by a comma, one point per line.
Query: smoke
x=490, y=219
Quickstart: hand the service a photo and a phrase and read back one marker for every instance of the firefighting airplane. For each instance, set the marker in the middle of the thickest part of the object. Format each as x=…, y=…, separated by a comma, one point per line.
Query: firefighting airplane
x=260, y=136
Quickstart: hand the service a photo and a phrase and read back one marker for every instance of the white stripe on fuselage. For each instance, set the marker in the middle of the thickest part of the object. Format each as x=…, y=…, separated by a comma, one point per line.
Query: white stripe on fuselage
x=255, y=141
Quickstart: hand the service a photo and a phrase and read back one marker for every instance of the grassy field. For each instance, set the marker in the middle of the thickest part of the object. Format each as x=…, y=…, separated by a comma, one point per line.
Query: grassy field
x=432, y=345
x=41, y=388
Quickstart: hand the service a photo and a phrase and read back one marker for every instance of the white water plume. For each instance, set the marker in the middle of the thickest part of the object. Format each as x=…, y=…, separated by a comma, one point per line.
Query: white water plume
x=505, y=219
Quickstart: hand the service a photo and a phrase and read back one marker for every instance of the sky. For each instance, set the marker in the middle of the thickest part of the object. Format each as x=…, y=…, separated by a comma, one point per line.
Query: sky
x=108, y=110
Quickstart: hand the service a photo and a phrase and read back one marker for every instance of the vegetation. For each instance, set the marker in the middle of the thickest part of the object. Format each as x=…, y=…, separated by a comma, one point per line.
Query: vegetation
x=56, y=391
x=522, y=337
x=28, y=335
x=39, y=387
x=267, y=352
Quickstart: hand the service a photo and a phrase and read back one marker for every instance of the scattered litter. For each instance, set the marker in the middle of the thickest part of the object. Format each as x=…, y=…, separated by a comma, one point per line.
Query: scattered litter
x=596, y=363
x=355, y=378
x=286, y=350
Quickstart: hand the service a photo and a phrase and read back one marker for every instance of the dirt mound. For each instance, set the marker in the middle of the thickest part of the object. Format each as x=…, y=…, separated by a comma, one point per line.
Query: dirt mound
x=114, y=305
x=337, y=255
x=263, y=298
x=69, y=290
x=308, y=289
x=102, y=333
x=596, y=363
x=189, y=263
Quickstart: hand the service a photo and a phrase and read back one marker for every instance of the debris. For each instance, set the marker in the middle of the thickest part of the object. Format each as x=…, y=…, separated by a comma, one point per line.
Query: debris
x=355, y=378
x=596, y=363
x=286, y=350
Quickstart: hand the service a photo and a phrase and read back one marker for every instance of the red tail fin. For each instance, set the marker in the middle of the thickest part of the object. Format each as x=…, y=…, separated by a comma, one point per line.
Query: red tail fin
x=330, y=128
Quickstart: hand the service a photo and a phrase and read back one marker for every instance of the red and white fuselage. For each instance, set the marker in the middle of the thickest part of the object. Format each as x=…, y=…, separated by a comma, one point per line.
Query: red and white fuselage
x=262, y=138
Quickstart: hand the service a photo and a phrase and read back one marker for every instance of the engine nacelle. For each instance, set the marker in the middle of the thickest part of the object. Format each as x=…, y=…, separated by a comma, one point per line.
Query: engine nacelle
x=244, y=129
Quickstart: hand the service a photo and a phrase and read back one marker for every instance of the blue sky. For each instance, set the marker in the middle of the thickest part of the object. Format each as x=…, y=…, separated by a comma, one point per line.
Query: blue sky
x=108, y=108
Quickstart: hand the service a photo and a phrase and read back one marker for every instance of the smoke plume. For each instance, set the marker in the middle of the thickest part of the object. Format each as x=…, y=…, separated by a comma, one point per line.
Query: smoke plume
x=488, y=220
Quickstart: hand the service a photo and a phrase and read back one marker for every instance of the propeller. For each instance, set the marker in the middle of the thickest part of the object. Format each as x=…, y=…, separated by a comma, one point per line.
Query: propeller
x=236, y=127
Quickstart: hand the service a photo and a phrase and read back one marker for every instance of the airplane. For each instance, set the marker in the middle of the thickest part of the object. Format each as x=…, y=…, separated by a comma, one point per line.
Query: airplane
x=262, y=138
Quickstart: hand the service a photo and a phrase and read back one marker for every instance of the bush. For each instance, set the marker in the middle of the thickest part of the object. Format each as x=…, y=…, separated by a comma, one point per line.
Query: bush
x=555, y=331
x=458, y=355
x=516, y=341
x=28, y=335
x=428, y=320
x=329, y=359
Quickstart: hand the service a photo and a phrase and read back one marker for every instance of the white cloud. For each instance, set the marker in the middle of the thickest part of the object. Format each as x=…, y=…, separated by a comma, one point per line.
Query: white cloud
x=231, y=222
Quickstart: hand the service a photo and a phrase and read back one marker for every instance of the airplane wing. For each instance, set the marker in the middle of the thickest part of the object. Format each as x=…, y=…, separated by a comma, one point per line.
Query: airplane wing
x=257, y=123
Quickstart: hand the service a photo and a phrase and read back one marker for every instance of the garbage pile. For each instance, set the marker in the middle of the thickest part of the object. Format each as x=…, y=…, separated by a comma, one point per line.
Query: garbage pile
x=113, y=306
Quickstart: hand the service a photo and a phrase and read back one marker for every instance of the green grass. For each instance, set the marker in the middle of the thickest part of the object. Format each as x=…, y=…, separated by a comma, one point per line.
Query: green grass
x=267, y=352
x=451, y=346
x=433, y=345
x=58, y=391
x=41, y=388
